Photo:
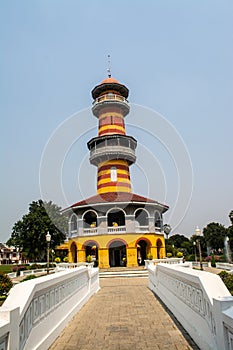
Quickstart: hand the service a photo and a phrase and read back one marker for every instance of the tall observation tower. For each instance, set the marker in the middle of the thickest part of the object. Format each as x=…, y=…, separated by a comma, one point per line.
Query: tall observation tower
x=112, y=151
x=116, y=227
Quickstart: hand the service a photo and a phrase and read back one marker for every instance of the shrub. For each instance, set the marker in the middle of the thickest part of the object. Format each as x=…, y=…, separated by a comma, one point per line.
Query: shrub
x=169, y=255
x=149, y=256
x=18, y=268
x=179, y=254
x=57, y=259
x=66, y=259
x=227, y=278
x=34, y=267
x=29, y=277
x=208, y=258
x=213, y=264
x=5, y=284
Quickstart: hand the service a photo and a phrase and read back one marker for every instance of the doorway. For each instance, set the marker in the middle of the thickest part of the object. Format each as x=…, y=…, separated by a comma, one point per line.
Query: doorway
x=117, y=252
x=142, y=252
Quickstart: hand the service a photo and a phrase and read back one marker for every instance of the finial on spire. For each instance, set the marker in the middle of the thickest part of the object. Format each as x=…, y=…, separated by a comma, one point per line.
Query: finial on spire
x=109, y=67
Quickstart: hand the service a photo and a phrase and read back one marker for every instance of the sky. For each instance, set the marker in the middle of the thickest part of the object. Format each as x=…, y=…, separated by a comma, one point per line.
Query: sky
x=176, y=58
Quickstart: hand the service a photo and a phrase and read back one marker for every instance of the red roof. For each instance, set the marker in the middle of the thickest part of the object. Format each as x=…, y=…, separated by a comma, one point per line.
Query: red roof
x=109, y=80
x=115, y=197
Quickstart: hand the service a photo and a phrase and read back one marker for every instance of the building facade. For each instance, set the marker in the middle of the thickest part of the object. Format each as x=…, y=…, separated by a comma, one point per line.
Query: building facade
x=115, y=227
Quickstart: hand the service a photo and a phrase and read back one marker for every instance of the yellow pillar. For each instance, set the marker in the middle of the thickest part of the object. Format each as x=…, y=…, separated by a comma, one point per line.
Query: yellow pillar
x=153, y=251
x=131, y=253
x=70, y=256
x=103, y=258
x=81, y=255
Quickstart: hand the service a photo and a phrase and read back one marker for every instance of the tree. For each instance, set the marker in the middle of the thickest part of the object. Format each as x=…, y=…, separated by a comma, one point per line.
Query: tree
x=29, y=233
x=5, y=284
x=214, y=234
x=177, y=240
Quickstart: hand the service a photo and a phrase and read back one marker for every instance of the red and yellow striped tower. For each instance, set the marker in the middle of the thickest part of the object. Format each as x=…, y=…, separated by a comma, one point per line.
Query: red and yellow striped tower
x=112, y=151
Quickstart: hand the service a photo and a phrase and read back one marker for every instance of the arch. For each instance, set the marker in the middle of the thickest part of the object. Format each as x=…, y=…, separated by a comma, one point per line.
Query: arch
x=143, y=246
x=73, y=250
x=141, y=217
x=143, y=239
x=159, y=246
x=91, y=248
x=73, y=222
x=158, y=220
x=117, y=252
x=90, y=243
x=116, y=217
x=116, y=240
x=89, y=219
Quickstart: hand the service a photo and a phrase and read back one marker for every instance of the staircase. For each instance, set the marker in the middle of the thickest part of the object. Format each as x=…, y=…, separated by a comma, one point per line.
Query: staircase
x=121, y=272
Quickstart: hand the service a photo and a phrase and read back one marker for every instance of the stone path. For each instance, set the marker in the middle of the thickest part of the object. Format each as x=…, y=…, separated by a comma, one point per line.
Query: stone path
x=123, y=315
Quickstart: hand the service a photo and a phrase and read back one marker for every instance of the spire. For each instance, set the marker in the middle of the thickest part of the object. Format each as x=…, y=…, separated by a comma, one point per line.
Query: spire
x=109, y=67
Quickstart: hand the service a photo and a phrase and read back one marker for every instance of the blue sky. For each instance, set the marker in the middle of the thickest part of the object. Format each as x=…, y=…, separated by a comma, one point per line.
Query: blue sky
x=175, y=56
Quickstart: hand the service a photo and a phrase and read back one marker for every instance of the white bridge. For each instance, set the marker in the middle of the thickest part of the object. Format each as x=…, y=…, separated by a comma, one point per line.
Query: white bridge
x=35, y=312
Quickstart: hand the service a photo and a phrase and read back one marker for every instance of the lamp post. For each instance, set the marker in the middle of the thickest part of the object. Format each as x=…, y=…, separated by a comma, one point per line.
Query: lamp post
x=195, y=251
x=198, y=234
x=48, y=239
x=231, y=217
x=228, y=248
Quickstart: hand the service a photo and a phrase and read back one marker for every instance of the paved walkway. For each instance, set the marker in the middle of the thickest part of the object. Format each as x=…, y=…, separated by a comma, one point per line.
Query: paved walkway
x=123, y=315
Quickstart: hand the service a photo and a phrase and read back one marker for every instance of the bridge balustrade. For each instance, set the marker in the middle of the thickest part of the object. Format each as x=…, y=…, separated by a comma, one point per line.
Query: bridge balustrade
x=199, y=300
x=36, y=311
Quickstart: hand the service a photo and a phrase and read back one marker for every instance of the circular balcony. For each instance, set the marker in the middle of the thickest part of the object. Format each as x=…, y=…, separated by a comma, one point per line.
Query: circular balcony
x=112, y=147
x=109, y=100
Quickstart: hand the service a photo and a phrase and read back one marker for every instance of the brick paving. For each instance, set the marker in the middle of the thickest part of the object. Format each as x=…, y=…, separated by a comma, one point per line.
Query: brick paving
x=123, y=315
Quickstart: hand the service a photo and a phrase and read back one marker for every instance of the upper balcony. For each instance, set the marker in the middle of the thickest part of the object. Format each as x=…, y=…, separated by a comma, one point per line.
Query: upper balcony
x=110, y=99
x=112, y=147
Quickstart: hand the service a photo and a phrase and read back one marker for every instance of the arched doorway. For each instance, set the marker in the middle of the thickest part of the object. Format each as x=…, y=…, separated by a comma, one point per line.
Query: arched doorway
x=117, y=252
x=73, y=250
x=73, y=223
x=116, y=217
x=158, y=221
x=159, y=245
x=141, y=217
x=89, y=219
x=91, y=248
x=142, y=250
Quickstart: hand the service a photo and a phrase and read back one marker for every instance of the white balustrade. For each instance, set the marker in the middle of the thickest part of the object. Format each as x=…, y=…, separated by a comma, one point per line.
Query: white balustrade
x=118, y=229
x=36, y=311
x=199, y=300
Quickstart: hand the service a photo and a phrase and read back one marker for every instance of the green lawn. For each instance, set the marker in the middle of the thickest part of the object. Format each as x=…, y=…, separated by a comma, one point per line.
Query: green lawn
x=6, y=268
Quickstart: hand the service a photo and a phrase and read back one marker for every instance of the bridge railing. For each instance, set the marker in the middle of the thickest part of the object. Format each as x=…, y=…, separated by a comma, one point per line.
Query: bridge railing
x=199, y=300
x=36, y=311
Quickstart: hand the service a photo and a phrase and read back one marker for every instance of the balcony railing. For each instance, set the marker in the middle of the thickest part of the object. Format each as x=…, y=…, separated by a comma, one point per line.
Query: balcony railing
x=111, y=229
x=109, y=97
x=118, y=229
x=90, y=231
x=142, y=228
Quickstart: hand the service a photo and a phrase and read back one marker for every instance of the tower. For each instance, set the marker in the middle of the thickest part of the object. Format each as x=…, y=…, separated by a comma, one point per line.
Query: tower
x=112, y=151
x=116, y=227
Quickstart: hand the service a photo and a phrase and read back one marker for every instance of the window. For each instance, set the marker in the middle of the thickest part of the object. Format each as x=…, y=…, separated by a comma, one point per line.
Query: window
x=113, y=174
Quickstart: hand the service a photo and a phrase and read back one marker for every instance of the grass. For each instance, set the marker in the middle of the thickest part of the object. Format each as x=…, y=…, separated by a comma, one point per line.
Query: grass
x=6, y=268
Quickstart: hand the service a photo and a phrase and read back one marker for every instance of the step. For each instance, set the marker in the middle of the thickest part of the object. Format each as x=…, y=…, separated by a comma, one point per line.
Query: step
x=123, y=273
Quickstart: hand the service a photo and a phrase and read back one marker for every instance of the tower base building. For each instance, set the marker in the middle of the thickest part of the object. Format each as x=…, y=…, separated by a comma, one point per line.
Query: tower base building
x=115, y=227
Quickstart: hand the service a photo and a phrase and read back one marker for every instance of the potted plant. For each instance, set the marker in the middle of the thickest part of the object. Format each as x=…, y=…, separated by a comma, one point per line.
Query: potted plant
x=89, y=259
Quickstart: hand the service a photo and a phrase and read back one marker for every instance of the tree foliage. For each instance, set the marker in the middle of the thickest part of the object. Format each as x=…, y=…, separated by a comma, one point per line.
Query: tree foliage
x=214, y=234
x=29, y=233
